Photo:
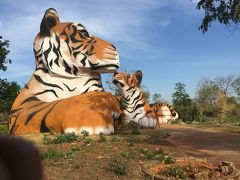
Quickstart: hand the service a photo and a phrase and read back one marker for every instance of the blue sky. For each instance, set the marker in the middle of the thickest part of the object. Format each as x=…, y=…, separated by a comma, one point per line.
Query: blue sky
x=159, y=37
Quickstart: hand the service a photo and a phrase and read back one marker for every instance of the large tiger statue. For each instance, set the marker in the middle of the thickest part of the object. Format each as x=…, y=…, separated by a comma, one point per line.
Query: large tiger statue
x=136, y=108
x=164, y=112
x=65, y=93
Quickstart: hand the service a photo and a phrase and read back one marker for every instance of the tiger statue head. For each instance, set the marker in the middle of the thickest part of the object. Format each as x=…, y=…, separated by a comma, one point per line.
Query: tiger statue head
x=68, y=48
x=164, y=112
x=68, y=55
x=136, y=108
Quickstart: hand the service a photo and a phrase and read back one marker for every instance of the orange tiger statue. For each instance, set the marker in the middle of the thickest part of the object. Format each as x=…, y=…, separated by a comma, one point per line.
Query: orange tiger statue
x=65, y=93
x=136, y=108
x=164, y=112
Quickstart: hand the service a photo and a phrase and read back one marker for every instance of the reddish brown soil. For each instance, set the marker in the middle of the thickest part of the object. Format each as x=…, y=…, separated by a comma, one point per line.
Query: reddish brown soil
x=216, y=146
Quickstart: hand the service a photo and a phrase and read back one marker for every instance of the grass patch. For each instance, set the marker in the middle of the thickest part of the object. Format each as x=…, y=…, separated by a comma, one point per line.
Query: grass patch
x=56, y=155
x=52, y=154
x=157, y=155
x=61, y=138
x=118, y=167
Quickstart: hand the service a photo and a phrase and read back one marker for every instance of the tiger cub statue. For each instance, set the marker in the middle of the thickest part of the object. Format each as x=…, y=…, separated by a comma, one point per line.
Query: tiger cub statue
x=136, y=108
x=164, y=112
x=65, y=93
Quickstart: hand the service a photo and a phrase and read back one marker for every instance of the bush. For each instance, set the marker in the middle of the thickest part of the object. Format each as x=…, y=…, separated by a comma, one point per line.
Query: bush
x=102, y=138
x=4, y=130
x=118, y=167
x=176, y=172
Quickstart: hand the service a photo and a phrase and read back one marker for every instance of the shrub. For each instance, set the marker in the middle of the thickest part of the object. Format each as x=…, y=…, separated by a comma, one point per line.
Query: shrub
x=88, y=141
x=118, y=167
x=4, y=130
x=102, y=138
x=125, y=154
x=85, y=133
x=176, y=172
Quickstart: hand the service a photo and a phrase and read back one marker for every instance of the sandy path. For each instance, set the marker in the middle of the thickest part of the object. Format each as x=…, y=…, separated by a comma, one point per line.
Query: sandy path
x=216, y=146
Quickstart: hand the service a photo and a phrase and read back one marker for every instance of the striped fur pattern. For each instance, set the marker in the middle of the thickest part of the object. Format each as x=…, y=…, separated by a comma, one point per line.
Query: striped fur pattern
x=164, y=112
x=136, y=107
x=69, y=61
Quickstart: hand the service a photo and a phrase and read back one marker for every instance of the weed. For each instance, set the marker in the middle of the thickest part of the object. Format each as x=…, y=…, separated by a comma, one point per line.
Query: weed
x=119, y=167
x=47, y=140
x=61, y=138
x=115, y=139
x=125, y=154
x=159, y=155
x=131, y=140
x=75, y=149
x=69, y=155
x=84, y=133
x=102, y=138
x=176, y=172
x=88, y=141
x=135, y=129
x=52, y=154
x=4, y=130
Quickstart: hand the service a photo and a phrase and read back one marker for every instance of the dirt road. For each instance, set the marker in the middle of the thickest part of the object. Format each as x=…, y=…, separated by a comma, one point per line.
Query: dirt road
x=216, y=146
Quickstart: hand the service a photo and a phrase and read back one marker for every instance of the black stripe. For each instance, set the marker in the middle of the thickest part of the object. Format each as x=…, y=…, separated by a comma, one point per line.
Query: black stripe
x=43, y=127
x=32, y=98
x=69, y=87
x=130, y=88
x=46, y=53
x=91, y=79
x=46, y=91
x=83, y=61
x=14, y=124
x=75, y=48
x=42, y=69
x=136, y=115
x=97, y=85
x=14, y=111
x=35, y=112
x=67, y=67
x=39, y=79
x=76, y=53
x=36, y=105
x=75, y=70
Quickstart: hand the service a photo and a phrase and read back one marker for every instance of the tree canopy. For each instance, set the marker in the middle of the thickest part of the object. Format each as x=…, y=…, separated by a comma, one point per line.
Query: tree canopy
x=223, y=11
x=4, y=45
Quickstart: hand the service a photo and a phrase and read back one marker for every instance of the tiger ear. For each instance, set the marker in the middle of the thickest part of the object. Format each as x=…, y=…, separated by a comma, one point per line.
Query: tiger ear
x=139, y=76
x=50, y=19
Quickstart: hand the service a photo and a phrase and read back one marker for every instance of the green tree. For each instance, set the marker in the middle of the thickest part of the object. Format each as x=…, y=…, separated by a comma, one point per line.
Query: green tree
x=223, y=11
x=182, y=103
x=156, y=98
x=8, y=93
x=180, y=96
x=211, y=100
x=4, y=45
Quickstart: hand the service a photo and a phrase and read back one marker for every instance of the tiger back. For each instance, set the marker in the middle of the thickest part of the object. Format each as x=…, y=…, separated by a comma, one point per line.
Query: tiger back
x=69, y=61
x=164, y=112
